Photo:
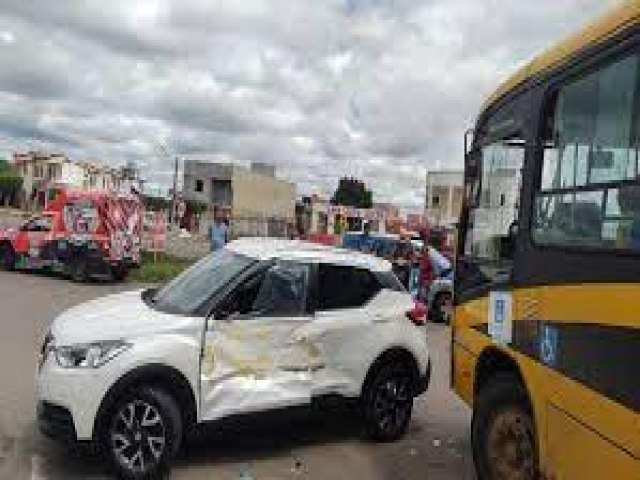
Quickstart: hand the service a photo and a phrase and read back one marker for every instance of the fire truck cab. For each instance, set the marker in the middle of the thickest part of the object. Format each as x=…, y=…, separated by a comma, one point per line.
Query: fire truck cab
x=84, y=234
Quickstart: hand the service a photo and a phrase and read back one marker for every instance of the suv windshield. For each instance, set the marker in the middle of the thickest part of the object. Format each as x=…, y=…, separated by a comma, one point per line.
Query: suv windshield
x=186, y=293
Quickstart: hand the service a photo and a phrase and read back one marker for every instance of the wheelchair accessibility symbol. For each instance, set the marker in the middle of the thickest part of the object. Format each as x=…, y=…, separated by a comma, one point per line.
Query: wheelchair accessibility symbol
x=548, y=345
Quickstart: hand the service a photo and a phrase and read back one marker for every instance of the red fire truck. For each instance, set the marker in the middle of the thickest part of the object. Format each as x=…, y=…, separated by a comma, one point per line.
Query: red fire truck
x=84, y=234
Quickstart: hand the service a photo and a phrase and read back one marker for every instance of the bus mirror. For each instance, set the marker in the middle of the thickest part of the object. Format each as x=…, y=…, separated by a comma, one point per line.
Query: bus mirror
x=507, y=246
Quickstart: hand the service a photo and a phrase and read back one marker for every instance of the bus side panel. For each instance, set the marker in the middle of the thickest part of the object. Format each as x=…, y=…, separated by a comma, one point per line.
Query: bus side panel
x=577, y=452
x=600, y=352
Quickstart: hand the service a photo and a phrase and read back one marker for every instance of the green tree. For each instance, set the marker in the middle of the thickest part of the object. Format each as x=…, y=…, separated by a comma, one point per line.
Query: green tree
x=196, y=206
x=352, y=192
x=155, y=204
x=10, y=184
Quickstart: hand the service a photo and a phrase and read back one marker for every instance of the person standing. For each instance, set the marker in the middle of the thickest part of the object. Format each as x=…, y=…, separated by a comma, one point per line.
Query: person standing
x=366, y=242
x=219, y=231
x=427, y=272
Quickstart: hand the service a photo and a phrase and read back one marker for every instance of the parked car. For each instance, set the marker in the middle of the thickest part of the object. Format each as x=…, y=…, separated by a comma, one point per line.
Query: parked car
x=81, y=233
x=439, y=297
x=258, y=325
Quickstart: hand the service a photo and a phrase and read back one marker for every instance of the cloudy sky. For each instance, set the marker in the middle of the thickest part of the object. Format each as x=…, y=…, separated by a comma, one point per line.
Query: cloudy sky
x=379, y=89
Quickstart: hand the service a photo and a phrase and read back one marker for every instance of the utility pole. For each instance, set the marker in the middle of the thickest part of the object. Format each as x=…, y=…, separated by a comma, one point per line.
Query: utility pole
x=174, y=192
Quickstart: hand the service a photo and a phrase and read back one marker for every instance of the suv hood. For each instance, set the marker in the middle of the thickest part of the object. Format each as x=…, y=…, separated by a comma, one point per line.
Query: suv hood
x=118, y=316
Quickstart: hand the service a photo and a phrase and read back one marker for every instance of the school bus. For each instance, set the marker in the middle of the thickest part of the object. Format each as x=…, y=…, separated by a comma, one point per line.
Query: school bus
x=546, y=326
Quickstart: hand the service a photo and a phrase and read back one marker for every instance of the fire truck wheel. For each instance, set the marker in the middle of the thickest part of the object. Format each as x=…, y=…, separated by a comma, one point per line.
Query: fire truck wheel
x=7, y=257
x=78, y=268
x=119, y=273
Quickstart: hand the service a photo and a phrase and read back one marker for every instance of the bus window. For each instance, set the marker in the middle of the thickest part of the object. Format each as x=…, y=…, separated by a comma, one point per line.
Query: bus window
x=590, y=143
x=492, y=202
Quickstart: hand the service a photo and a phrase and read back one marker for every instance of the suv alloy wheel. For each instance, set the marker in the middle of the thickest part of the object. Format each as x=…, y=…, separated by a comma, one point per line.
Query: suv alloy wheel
x=387, y=402
x=141, y=434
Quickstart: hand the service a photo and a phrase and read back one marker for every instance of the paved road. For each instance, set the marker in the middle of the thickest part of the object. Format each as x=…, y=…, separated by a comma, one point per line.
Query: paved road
x=301, y=446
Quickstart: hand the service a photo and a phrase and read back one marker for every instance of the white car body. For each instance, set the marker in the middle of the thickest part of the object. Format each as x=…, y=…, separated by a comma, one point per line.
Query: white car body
x=233, y=366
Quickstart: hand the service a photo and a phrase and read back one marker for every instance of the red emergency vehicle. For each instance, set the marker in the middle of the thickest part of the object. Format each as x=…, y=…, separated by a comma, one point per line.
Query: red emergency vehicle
x=80, y=233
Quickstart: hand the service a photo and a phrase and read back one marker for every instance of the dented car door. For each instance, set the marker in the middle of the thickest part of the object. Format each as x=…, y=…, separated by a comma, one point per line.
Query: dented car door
x=253, y=356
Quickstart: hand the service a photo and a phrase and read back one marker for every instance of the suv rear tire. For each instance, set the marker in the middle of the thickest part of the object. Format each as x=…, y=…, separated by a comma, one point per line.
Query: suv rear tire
x=141, y=434
x=503, y=434
x=387, y=402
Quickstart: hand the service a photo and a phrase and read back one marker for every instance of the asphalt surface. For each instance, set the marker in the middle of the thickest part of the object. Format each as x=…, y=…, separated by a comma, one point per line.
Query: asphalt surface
x=294, y=445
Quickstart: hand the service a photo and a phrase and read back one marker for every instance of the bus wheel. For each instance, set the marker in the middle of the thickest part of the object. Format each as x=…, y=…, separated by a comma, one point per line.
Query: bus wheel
x=503, y=432
x=7, y=257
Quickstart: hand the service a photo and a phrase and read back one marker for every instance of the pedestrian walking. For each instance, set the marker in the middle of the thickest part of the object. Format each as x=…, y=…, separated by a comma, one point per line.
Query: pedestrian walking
x=219, y=231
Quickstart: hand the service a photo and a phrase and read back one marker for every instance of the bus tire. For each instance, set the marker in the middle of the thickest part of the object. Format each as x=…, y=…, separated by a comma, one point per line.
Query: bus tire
x=7, y=257
x=503, y=434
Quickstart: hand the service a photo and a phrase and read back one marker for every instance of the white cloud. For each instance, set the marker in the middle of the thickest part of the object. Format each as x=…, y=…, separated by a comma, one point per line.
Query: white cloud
x=382, y=89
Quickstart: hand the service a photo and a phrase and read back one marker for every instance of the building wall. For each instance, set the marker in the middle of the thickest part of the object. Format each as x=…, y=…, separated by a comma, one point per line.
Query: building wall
x=255, y=194
x=444, y=194
x=72, y=175
x=204, y=172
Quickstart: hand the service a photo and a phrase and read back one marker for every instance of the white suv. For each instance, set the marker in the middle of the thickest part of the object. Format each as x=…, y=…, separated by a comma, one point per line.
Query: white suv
x=258, y=325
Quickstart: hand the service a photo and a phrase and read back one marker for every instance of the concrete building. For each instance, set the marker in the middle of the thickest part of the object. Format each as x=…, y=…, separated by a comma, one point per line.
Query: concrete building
x=43, y=170
x=444, y=194
x=258, y=203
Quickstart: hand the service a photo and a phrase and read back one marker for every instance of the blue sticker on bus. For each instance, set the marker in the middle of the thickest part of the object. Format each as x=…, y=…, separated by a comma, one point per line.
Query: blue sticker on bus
x=548, y=344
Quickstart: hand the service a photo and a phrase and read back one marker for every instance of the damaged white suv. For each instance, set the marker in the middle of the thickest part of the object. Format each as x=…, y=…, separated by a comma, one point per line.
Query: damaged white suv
x=259, y=325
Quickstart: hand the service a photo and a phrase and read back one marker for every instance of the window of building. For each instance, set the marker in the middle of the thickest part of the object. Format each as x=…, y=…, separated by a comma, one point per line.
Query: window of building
x=222, y=193
x=587, y=194
x=51, y=170
x=199, y=186
x=345, y=287
x=435, y=201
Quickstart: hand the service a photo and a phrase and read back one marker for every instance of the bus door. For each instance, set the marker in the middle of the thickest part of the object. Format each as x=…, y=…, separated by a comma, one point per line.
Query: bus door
x=488, y=236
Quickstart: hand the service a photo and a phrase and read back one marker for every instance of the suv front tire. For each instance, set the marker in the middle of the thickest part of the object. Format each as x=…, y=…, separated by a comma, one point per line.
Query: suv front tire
x=141, y=434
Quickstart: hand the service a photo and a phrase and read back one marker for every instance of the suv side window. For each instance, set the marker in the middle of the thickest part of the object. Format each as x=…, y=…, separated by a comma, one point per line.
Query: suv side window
x=345, y=287
x=280, y=290
x=284, y=290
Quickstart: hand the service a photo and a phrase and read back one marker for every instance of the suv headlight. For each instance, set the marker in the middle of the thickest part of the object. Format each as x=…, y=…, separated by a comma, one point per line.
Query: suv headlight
x=90, y=355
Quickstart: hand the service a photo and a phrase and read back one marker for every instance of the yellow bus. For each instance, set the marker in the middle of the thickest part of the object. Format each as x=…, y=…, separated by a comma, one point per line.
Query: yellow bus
x=546, y=326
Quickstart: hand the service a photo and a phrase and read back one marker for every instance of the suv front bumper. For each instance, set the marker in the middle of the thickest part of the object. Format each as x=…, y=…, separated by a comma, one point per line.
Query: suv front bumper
x=56, y=422
x=68, y=400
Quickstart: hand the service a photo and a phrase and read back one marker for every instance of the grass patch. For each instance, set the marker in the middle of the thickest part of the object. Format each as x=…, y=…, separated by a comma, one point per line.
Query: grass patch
x=163, y=269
